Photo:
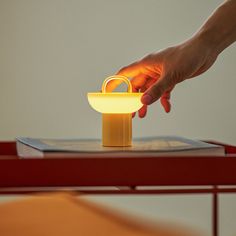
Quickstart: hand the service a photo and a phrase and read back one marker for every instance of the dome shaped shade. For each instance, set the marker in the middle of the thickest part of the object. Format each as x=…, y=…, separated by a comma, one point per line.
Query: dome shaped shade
x=115, y=102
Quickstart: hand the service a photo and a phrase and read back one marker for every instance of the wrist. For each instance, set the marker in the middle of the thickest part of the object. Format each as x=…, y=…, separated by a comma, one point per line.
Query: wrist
x=219, y=30
x=202, y=44
x=208, y=41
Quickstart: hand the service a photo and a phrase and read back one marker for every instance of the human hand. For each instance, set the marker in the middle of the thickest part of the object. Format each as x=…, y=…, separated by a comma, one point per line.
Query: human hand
x=157, y=74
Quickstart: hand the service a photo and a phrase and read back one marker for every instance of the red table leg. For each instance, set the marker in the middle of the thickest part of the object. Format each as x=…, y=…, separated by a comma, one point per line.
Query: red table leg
x=215, y=212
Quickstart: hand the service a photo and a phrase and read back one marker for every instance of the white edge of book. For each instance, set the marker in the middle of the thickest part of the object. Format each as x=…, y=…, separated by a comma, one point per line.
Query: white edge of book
x=26, y=151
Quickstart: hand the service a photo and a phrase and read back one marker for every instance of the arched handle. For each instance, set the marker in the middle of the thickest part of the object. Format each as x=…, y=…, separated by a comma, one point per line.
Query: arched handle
x=118, y=77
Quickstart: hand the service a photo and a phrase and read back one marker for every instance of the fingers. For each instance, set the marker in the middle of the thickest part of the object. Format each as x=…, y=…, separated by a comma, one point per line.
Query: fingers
x=142, y=111
x=165, y=102
x=153, y=93
x=134, y=90
x=157, y=90
x=139, y=82
x=113, y=84
x=130, y=71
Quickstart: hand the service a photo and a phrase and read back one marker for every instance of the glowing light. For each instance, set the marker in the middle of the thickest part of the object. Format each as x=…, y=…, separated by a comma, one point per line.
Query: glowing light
x=116, y=102
x=116, y=109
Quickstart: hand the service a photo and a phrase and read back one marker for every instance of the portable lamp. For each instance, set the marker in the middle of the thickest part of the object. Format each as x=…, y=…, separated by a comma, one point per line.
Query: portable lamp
x=116, y=109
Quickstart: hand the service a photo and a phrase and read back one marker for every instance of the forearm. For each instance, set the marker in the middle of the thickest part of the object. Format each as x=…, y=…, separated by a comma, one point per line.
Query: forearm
x=219, y=31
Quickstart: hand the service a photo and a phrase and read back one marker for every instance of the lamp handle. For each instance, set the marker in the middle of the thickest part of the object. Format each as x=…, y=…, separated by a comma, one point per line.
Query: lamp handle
x=118, y=77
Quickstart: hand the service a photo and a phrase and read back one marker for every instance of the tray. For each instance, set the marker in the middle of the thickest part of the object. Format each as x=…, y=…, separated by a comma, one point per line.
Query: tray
x=140, y=171
x=205, y=174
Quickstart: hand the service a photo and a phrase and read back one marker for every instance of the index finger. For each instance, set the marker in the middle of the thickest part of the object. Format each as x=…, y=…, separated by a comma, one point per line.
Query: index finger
x=129, y=71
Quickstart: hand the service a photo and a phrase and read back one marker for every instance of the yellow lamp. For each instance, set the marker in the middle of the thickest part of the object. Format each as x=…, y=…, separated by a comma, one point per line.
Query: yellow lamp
x=116, y=109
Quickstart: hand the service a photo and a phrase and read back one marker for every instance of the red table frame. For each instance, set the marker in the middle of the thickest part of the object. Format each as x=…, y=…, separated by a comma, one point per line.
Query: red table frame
x=20, y=175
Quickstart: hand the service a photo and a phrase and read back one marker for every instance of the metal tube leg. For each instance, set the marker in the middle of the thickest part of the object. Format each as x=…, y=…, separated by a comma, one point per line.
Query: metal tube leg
x=215, y=212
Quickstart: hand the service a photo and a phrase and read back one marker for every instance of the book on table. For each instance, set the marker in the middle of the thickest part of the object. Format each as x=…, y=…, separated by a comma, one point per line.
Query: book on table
x=142, y=147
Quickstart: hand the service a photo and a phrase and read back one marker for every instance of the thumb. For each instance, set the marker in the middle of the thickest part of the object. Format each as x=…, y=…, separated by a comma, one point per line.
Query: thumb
x=157, y=90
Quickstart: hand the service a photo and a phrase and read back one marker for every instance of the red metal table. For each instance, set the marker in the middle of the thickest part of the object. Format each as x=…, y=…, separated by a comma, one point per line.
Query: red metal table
x=21, y=175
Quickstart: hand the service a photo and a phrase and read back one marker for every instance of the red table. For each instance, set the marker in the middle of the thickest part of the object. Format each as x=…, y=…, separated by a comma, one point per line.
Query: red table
x=20, y=175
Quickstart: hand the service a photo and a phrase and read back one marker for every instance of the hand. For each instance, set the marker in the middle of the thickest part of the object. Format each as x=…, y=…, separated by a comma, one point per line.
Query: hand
x=157, y=74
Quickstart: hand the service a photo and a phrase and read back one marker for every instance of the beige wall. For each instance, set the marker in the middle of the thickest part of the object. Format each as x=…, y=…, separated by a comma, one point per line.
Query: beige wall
x=53, y=52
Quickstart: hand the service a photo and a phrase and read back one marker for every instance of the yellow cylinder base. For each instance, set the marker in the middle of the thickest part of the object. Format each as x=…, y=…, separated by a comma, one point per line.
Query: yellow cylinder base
x=116, y=130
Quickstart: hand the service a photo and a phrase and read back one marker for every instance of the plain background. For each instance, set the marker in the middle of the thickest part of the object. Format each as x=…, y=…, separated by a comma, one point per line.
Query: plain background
x=53, y=52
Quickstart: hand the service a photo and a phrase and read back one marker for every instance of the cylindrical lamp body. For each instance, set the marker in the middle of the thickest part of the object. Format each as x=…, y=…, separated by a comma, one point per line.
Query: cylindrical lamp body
x=116, y=130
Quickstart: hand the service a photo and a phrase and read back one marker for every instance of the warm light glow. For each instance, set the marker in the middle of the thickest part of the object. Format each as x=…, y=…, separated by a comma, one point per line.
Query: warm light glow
x=115, y=102
x=116, y=109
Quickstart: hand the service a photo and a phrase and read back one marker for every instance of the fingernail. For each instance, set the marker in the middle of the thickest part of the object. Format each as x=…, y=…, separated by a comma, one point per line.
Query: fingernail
x=146, y=99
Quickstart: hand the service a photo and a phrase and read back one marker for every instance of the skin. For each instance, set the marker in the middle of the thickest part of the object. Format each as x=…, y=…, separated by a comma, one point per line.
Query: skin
x=158, y=73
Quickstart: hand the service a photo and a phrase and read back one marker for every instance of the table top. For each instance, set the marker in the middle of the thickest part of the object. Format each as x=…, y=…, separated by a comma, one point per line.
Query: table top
x=140, y=171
